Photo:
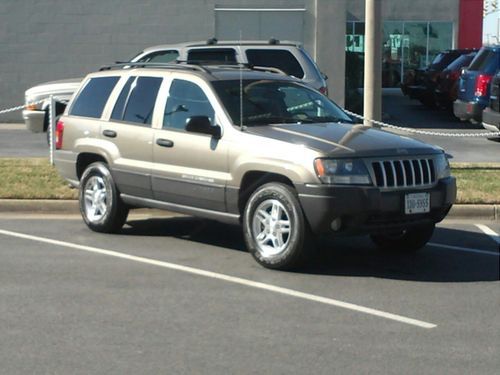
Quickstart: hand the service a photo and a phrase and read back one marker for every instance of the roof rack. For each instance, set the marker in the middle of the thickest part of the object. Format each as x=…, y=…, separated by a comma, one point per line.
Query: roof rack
x=207, y=64
x=122, y=65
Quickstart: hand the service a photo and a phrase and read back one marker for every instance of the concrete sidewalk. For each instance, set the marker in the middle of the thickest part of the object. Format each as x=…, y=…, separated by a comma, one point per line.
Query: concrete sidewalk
x=44, y=206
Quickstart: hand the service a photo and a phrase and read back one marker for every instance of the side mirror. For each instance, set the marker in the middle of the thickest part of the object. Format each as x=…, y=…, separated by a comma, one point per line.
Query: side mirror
x=202, y=125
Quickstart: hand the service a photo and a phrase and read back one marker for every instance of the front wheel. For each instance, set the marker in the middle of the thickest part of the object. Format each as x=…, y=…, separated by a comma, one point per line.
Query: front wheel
x=100, y=204
x=274, y=227
x=405, y=241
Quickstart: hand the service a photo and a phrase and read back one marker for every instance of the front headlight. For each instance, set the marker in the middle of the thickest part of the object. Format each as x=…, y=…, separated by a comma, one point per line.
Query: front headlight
x=342, y=171
x=442, y=167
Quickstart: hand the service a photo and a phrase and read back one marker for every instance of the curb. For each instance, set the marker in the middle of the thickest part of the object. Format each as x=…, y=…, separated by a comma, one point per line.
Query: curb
x=55, y=206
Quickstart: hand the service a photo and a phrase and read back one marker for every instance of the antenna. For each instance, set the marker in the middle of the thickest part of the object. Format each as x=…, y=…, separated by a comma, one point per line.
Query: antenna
x=241, y=89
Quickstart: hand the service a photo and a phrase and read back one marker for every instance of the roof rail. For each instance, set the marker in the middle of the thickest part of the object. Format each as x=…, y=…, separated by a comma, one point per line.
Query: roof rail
x=207, y=64
x=181, y=66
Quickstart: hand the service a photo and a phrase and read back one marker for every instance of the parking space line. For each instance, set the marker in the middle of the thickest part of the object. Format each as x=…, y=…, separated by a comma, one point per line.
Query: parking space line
x=464, y=249
x=228, y=278
x=490, y=232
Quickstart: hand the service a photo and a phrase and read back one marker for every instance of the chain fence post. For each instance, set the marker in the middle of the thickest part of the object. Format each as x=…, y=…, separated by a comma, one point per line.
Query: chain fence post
x=52, y=126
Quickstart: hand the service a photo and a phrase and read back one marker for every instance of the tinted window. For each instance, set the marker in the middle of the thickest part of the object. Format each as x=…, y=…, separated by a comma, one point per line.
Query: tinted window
x=443, y=59
x=281, y=59
x=122, y=99
x=160, y=56
x=92, y=99
x=141, y=102
x=185, y=100
x=221, y=55
x=484, y=60
x=462, y=61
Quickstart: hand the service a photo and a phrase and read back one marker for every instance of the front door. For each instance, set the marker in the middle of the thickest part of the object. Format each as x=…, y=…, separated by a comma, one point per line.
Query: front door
x=189, y=169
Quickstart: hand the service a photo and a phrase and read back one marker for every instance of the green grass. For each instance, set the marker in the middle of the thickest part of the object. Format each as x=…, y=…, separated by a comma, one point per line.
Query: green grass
x=32, y=179
x=477, y=184
x=37, y=179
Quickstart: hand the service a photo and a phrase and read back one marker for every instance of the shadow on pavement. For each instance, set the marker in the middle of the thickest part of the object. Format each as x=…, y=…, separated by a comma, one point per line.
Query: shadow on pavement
x=349, y=256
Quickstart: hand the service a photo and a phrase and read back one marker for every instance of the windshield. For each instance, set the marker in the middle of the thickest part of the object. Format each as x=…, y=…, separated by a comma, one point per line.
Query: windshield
x=275, y=102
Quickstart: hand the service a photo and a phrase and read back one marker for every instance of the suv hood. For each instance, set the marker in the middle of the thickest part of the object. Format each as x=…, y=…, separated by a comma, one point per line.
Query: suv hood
x=345, y=140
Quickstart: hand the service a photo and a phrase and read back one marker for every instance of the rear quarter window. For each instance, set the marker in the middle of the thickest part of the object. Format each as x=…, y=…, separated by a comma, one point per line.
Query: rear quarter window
x=93, y=97
x=485, y=61
x=276, y=58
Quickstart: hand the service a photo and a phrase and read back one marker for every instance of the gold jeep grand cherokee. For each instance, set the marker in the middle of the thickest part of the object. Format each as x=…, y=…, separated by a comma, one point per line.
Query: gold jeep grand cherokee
x=246, y=146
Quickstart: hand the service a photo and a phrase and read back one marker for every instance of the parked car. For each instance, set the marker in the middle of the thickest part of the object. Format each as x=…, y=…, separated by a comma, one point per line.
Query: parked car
x=491, y=114
x=447, y=82
x=474, y=85
x=424, y=81
x=247, y=147
x=287, y=56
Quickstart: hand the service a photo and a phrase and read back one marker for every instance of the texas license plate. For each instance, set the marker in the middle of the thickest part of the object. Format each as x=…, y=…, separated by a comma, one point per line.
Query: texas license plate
x=417, y=203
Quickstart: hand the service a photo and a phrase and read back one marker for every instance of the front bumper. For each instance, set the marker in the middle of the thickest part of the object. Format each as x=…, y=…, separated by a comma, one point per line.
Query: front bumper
x=468, y=110
x=491, y=120
x=366, y=210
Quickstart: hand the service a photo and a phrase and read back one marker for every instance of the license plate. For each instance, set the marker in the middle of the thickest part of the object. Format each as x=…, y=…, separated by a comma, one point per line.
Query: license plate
x=417, y=203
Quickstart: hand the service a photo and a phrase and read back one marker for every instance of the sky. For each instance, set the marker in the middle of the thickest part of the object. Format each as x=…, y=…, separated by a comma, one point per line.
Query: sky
x=490, y=23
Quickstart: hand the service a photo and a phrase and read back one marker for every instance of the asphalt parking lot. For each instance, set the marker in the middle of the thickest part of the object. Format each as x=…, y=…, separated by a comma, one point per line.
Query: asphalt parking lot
x=173, y=295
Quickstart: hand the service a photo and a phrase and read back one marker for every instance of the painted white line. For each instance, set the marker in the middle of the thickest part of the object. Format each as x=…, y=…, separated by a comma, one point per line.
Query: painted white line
x=227, y=278
x=464, y=249
x=490, y=232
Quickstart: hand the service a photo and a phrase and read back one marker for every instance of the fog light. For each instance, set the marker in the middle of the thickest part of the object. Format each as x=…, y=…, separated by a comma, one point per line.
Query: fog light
x=336, y=224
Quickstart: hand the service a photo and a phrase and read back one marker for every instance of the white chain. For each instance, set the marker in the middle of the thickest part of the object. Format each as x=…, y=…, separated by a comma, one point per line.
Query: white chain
x=18, y=108
x=425, y=132
x=13, y=109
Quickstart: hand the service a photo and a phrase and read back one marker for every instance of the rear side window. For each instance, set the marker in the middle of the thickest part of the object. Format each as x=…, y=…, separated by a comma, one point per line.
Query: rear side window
x=276, y=58
x=161, y=57
x=484, y=61
x=92, y=99
x=137, y=100
x=218, y=55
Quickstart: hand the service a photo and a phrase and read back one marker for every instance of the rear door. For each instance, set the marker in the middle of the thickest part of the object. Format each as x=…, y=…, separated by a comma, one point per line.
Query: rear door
x=129, y=130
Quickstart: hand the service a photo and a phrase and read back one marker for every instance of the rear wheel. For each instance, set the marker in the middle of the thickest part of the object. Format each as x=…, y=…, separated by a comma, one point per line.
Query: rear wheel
x=405, y=241
x=275, y=229
x=100, y=204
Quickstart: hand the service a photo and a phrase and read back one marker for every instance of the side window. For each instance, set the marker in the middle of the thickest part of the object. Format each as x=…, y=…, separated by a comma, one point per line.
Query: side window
x=218, y=55
x=185, y=100
x=276, y=58
x=161, y=56
x=92, y=99
x=137, y=100
x=122, y=100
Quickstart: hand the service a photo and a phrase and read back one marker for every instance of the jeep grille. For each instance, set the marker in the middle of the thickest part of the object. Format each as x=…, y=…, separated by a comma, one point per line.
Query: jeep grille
x=404, y=173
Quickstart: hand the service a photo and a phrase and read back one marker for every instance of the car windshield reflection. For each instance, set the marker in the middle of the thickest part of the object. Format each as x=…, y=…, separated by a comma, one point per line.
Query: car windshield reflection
x=263, y=102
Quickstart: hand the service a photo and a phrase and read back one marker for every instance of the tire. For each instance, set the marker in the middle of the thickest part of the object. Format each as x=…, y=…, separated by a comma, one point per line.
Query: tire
x=406, y=241
x=274, y=227
x=100, y=204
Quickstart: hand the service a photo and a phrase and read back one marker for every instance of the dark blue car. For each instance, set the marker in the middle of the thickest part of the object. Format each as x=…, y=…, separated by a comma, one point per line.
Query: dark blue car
x=474, y=85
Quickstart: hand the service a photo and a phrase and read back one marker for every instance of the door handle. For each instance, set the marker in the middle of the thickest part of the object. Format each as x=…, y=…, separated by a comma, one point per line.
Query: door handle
x=109, y=133
x=164, y=142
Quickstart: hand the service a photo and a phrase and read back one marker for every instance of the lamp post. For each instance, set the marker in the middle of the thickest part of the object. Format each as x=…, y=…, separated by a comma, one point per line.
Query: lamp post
x=373, y=61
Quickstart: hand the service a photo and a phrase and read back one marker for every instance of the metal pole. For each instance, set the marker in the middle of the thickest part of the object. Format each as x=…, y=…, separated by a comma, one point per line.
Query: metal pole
x=373, y=61
x=52, y=126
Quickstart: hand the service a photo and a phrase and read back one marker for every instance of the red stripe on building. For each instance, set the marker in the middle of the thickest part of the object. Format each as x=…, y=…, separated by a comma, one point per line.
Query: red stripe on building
x=470, y=29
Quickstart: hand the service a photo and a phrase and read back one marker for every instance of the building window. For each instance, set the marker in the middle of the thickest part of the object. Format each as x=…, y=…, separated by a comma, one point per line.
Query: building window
x=406, y=46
